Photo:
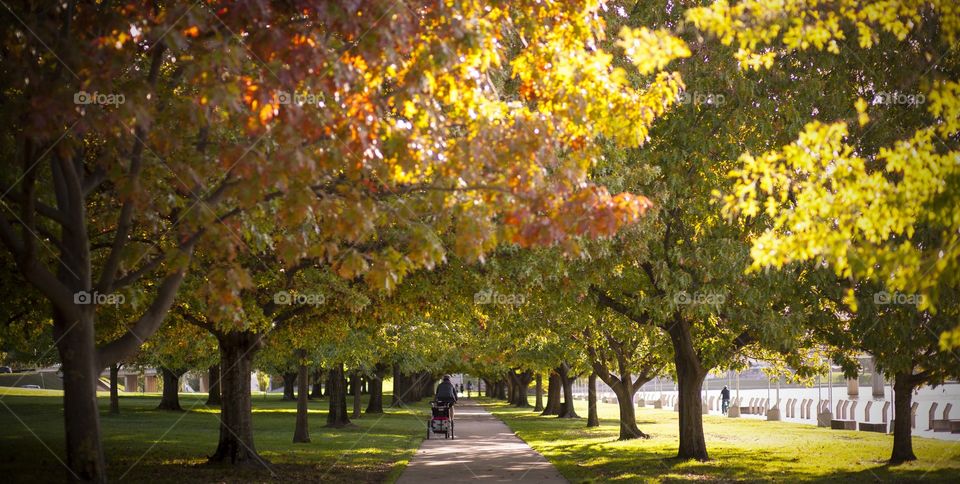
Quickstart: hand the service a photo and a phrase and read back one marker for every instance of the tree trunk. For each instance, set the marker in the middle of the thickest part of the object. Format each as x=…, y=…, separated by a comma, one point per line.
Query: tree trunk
x=628, y=413
x=501, y=388
x=357, y=392
x=566, y=407
x=375, y=405
x=114, y=390
x=301, y=433
x=538, y=406
x=171, y=390
x=518, y=385
x=553, y=395
x=902, y=438
x=317, y=391
x=690, y=375
x=415, y=391
x=520, y=398
x=289, y=381
x=625, y=388
x=487, y=388
x=593, y=420
x=236, y=446
x=413, y=388
x=81, y=414
x=424, y=383
x=401, y=388
x=213, y=395
x=337, y=393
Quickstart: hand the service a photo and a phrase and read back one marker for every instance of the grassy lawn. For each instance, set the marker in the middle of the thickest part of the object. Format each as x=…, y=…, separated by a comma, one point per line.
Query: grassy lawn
x=740, y=450
x=146, y=445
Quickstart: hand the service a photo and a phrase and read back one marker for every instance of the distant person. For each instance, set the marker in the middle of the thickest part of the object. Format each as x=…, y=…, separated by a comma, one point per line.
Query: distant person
x=446, y=392
x=725, y=398
x=469, y=387
x=460, y=393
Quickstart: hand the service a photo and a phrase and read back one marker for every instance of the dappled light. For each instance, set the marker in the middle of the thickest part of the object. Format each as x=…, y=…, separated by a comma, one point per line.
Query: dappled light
x=500, y=240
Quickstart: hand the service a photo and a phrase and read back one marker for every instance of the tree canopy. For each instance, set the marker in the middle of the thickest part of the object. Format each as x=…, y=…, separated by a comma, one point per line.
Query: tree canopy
x=552, y=189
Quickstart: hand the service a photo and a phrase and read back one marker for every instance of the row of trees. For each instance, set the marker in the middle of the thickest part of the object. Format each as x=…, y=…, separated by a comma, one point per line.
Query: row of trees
x=305, y=187
x=194, y=161
x=827, y=212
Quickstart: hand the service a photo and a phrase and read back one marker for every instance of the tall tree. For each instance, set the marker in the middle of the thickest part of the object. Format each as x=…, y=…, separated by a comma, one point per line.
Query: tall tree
x=593, y=419
x=115, y=389
x=301, y=432
x=375, y=388
x=869, y=190
x=567, y=376
x=175, y=349
x=625, y=356
x=337, y=394
x=903, y=340
x=213, y=392
x=191, y=119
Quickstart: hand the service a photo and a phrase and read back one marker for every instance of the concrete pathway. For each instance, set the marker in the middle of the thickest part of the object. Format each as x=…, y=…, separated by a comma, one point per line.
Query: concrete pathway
x=485, y=449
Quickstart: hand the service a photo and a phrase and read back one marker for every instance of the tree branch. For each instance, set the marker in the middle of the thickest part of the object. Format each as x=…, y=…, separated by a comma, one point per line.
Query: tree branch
x=605, y=301
x=38, y=275
x=148, y=323
x=108, y=273
x=41, y=208
x=187, y=315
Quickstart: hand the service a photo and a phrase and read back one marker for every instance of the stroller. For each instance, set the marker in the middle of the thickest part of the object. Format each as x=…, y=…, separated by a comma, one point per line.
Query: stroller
x=441, y=420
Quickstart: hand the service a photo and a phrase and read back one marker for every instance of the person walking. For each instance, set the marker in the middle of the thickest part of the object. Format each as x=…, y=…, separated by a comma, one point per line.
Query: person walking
x=725, y=398
x=469, y=387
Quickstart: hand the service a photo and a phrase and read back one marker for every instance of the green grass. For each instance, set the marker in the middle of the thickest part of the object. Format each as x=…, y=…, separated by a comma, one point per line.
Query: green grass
x=740, y=450
x=146, y=445
x=28, y=392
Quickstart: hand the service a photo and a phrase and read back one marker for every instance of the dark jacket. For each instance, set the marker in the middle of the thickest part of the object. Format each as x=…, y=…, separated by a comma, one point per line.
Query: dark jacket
x=725, y=394
x=446, y=392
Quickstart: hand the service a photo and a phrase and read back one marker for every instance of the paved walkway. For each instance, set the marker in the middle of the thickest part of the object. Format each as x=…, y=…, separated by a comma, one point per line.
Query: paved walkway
x=485, y=449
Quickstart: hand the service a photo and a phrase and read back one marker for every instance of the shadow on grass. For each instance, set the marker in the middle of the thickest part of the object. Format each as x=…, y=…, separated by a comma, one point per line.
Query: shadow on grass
x=742, y=451
x=327, y=471
x=143, y=444
x=598, y=462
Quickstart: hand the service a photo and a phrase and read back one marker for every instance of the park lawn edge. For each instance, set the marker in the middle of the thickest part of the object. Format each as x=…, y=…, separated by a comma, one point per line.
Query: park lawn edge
x=593, y=455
